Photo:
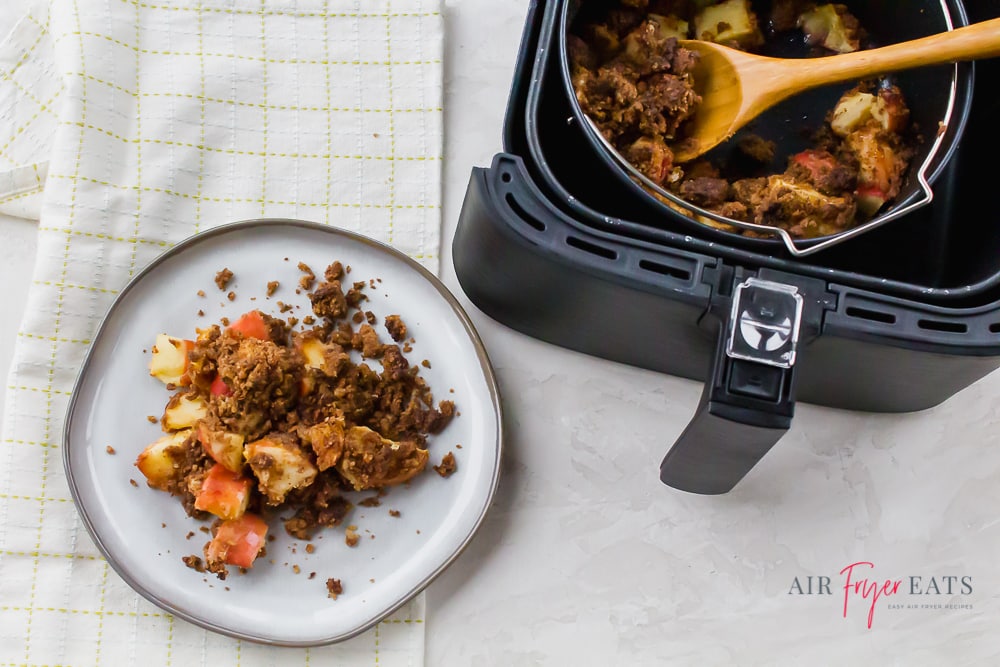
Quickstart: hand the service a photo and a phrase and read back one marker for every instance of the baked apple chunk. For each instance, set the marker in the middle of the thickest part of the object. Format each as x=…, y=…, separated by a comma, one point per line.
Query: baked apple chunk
x=162, y=462
x=370, y=461
x=170, y=359
x=280, y=466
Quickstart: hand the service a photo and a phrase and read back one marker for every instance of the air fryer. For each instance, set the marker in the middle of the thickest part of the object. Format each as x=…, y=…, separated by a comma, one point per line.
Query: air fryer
x=897, y=320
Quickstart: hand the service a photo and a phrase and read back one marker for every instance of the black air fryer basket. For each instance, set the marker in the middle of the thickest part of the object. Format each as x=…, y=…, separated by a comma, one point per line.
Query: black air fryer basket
x=896, y=320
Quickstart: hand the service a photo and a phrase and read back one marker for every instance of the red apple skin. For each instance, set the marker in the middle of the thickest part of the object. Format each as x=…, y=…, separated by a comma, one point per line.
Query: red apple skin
x=870, y=198
x=219, y=387
x=238, y=541
x=224, y=493
x=251, y=325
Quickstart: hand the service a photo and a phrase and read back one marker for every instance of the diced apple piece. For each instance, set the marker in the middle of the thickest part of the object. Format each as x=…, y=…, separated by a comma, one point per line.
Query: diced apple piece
x=328, y=358
x=879, y=166
x=224, y=493
x=732, y=21
x=219, y=387
x=852, y=111
x=670, y=26
x=815, y=163
x=651, y=156
x=856, y=108
x=169, y=359
x=798, y=205
x=224, y=448
x=327, y=441
x=803, y=195
x=832, y=26
x=312, y=349
x=251, y=325
x=183, y=411
x=237, y=542
x=160, y=462
x=280, y=466
x=890, y=110
x=370, y=461
x=645, y=46
x=870, y=199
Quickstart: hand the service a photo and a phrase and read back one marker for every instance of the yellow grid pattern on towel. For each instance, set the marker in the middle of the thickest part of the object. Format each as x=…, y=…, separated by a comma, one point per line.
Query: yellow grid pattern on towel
x=147, y=122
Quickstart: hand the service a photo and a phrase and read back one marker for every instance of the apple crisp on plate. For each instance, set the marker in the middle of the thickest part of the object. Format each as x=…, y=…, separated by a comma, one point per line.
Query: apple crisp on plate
x=265, y=416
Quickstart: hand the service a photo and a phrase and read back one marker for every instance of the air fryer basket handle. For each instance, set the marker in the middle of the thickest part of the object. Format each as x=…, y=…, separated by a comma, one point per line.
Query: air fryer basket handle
x=747, y=404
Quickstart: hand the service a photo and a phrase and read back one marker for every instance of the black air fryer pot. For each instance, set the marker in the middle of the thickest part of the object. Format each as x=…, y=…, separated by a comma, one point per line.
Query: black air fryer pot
x=896, y=320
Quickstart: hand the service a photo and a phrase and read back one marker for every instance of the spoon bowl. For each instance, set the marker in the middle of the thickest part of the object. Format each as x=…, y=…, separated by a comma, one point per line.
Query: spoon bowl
x=737, y=86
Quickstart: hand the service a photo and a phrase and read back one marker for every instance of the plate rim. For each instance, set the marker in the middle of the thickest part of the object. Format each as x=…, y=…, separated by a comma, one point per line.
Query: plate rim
x=380, y=246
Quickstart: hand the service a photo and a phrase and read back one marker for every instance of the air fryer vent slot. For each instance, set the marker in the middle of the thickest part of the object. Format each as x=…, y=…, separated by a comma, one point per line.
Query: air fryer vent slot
x=663, y=269
x=592, y=248
x=873, y=315
x=523, y=214
x=946, y=327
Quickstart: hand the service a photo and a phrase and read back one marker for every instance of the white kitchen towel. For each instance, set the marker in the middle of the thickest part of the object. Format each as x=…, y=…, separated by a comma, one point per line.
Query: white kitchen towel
x=126, y=126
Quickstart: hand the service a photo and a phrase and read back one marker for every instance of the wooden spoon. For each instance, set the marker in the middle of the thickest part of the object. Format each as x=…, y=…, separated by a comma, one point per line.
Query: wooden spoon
x=736, y=86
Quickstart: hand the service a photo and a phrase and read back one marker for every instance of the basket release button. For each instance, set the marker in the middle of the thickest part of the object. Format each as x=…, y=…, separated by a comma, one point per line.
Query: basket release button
x=764, y=323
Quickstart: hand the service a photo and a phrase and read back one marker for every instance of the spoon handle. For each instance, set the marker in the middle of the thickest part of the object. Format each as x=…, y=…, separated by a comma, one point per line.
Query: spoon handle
x=976, y=41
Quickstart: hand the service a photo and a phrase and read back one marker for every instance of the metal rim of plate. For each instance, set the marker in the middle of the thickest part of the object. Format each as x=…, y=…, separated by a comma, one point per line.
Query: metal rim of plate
x=439, y=286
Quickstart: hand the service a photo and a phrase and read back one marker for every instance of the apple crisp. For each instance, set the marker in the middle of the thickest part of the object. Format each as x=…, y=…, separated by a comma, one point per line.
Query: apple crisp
x=635, y=80
x=264, y=417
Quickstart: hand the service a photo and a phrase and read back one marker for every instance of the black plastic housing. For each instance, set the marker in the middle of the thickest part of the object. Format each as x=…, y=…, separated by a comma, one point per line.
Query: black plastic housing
x=529, y=266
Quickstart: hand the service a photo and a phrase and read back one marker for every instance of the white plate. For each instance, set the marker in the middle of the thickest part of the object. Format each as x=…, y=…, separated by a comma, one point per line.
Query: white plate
x=272, y=603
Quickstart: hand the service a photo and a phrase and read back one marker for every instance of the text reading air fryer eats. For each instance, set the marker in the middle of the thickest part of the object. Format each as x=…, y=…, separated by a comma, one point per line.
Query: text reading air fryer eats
x=861, y=591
